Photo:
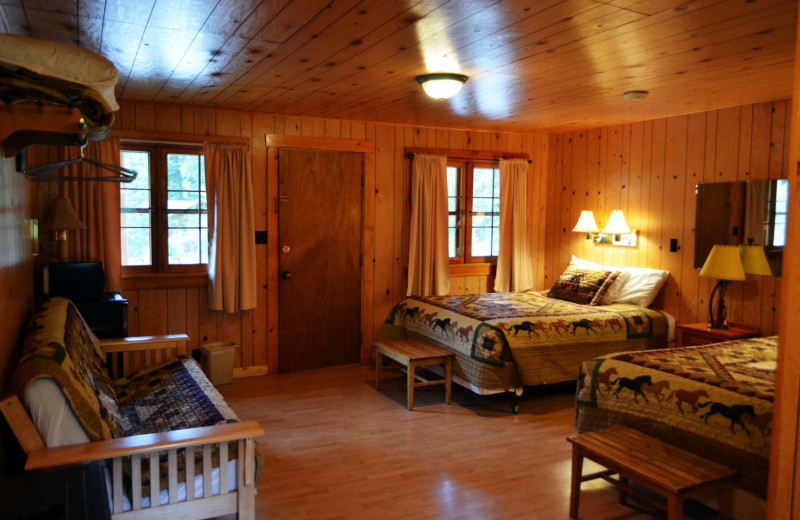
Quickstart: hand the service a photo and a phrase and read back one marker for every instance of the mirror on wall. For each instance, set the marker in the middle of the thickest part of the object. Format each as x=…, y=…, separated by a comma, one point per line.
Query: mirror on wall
x=743, y=212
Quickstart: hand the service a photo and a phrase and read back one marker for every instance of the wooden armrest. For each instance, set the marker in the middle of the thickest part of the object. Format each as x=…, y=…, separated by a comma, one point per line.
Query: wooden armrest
x=141, y=444
x=179, y=342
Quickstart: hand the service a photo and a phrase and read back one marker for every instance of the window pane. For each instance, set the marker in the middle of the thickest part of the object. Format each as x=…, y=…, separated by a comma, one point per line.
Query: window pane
x=452, y=205
x=483, y=182
x=451, y=243
x=496, y=191
x=135, y=219
x=183, y=220
x=452, y=181
x=495, y=241
x=481, y=221
x=139, y=199
x=183, y=200
x=481, y=242
x=183, y=246
x=183, y=171
x=780, y=235
x=140, y=162
x=136, y=246
x=482, y=205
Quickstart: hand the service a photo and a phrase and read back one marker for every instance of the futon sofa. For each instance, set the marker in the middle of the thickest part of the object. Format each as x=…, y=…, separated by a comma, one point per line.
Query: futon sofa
x=165, y=423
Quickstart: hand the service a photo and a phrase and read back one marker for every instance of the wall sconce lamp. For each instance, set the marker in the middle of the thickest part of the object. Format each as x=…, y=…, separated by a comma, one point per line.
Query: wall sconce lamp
x=441, y=85
x=616, y=231
x=62, y=219
x=586, y=224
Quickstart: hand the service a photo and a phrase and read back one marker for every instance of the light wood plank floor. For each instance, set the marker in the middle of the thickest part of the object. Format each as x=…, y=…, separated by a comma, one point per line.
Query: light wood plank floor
x=335, y=448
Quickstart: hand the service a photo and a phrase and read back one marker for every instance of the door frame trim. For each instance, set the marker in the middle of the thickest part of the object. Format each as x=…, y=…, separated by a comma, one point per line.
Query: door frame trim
x=367, y=148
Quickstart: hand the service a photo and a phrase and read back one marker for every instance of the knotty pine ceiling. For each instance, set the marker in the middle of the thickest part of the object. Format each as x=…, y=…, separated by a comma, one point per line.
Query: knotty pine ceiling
x=534, y=65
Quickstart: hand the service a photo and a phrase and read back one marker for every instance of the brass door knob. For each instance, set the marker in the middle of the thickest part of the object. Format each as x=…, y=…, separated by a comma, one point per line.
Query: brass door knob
x=286, y=275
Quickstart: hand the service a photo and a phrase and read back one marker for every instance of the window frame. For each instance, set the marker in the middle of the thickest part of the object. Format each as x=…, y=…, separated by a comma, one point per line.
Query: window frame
x=159, y=231
x=468, y=166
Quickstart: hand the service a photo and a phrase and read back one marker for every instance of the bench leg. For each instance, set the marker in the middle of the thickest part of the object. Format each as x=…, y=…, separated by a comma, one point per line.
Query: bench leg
x=575, y=489
x=448, y=377
x=378, y=367
x=726, y=502
x=411, y=379
x=674, y=508
x=623, y=495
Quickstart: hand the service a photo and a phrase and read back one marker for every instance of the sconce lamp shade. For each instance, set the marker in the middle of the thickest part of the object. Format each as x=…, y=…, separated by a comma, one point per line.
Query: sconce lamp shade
x=62, y=219
x=723, y=263
x=754, y=260
x=586, y=223
x=617, y=225
x=441, y=85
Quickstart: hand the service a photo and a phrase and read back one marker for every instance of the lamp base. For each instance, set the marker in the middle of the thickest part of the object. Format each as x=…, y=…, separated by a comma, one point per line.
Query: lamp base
x=720, y=326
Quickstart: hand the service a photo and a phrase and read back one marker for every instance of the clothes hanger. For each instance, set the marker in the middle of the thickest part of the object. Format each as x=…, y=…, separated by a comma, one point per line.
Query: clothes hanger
x=37, y=173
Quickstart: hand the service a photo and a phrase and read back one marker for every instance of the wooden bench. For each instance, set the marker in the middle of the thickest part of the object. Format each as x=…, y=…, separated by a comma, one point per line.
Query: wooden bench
x=656, y=465
x=414, y=353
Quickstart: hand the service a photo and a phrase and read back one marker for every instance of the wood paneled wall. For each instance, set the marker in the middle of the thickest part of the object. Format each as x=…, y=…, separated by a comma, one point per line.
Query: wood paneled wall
x=168, y=310
x=650, y=169
x=16, y=265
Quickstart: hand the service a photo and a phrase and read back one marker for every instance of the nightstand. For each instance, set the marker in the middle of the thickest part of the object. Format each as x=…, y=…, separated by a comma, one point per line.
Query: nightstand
x=688, y=334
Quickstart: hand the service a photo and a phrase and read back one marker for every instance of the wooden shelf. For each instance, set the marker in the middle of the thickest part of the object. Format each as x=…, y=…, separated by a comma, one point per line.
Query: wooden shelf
x=21, y=125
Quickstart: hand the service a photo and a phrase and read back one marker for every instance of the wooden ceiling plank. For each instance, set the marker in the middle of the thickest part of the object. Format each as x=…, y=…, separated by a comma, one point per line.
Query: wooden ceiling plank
x=501, y=34
x=233, y=24
x=120, y=44
x=323, y=16
x=17, y=20
x=125, y=11
x=655, y=44
x=240, y=51
x=362, y=86
x=58, y=24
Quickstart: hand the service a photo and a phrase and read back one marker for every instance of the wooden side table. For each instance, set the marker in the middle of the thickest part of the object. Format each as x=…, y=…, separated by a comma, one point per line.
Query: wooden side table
x=688, y=334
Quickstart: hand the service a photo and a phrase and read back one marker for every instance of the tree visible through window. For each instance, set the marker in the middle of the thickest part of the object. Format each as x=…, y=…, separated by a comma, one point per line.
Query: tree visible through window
x=164, y=212
x=473, y=190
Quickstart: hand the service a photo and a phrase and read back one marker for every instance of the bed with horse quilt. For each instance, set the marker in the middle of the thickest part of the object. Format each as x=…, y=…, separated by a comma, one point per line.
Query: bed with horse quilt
x=714, y=400
x=504, y=341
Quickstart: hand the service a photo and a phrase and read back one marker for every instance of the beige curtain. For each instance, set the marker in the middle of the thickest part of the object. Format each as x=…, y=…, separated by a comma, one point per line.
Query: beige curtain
x=97, y=205
x=428, y=260
x=514, y=256
x=231, y=229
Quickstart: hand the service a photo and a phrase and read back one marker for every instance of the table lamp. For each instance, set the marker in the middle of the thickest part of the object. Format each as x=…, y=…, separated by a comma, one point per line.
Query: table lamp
x=724, y=264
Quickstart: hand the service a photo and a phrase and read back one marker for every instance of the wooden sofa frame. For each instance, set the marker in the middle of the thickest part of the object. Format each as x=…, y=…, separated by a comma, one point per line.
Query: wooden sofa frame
x=134, y=353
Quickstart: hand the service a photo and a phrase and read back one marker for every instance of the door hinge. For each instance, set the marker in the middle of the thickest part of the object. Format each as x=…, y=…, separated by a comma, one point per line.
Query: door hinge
x=361, y=260
x=362, y=179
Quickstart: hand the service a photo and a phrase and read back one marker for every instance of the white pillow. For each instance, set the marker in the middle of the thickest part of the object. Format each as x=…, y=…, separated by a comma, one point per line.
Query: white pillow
x=636, y=285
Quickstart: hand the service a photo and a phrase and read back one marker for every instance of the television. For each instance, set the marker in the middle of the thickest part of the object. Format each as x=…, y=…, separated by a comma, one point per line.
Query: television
x=742, y=212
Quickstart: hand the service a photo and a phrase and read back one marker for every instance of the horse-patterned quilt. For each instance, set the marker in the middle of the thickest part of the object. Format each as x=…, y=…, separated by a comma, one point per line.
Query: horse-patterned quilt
x=505, y=341
x=715, y=400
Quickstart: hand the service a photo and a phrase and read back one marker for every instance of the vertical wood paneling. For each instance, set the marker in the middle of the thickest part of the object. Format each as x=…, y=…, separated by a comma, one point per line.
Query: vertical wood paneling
x=650, y=170
x=386, y=213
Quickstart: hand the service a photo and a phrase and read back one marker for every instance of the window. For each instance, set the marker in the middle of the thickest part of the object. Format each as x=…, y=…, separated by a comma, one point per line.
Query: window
x=164, y=212
x=778, y=204
x=473, y=197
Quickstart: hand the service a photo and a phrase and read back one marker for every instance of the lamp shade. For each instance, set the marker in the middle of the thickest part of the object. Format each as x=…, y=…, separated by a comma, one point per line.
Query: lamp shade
x=754, y=260
x=723, y=263
x=586, y=223
x=617, y=225
x=441, y=85
x=62, y=218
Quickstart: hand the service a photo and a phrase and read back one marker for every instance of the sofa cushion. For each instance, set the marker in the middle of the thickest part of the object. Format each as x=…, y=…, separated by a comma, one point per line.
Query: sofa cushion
x=59, y=345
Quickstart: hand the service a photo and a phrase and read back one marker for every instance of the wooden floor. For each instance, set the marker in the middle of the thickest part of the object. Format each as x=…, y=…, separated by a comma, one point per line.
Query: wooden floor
x=337, y=449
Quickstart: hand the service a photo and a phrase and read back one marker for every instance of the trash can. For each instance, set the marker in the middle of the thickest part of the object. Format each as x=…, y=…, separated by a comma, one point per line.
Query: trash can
x=217, y=362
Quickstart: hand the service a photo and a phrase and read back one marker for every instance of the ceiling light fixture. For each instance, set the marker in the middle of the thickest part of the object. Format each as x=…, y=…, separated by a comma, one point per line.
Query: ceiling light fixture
x=636, y=95
x=441, y=85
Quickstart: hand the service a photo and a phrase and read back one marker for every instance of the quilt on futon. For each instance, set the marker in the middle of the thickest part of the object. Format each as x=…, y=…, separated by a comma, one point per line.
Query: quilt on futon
x=175, y=395
x=505, y=341
x=714, y=400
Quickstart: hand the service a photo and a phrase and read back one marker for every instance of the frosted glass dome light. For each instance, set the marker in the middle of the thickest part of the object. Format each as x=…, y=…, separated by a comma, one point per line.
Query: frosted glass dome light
x=441, y=85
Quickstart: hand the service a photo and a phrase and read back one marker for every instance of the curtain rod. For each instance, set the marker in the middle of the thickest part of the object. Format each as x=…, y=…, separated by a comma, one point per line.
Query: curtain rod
x=411, y=155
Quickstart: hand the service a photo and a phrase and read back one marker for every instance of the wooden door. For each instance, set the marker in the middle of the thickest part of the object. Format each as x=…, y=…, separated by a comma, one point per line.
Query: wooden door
x=319, y=248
